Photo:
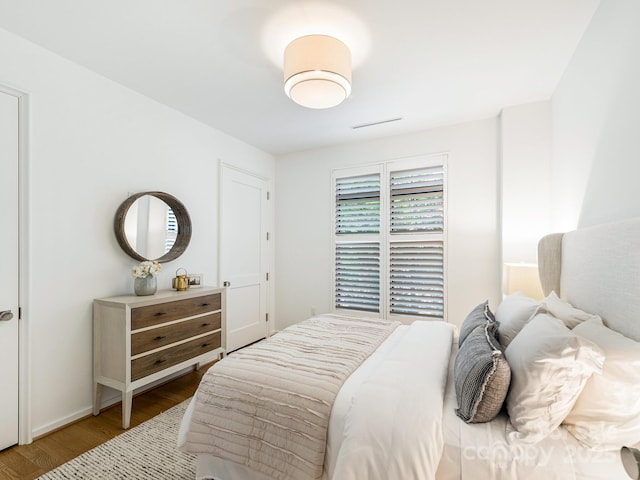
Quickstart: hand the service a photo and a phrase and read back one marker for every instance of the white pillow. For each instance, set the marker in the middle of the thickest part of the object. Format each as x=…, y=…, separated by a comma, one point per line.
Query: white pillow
x=512, y=314
x=607, y=413
x=549, y=368
x=566, y=312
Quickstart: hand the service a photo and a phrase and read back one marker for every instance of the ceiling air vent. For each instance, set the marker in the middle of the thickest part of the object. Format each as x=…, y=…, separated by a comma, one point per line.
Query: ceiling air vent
x=371, y=124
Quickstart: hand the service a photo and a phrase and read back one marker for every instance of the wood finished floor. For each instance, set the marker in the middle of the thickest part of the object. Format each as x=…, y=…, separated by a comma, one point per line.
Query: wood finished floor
x=26, y=462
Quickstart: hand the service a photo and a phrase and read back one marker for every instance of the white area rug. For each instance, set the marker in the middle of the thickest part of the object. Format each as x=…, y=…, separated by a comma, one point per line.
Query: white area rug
x=147, y=451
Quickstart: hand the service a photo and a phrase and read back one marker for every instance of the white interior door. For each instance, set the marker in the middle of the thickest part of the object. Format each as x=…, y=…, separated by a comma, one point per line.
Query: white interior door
x=244, y=255
x=8, y=270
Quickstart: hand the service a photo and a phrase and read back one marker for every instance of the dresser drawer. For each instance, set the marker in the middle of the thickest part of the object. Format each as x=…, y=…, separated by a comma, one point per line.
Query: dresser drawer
x=165, y=312
x=161, y=336
x=154, y=362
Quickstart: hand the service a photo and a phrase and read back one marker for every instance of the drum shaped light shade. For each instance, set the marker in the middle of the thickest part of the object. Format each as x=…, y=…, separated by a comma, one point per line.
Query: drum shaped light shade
x=317, y=71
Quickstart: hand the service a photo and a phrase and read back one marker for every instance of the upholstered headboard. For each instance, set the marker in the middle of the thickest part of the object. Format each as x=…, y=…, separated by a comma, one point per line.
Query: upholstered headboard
x=597, y=269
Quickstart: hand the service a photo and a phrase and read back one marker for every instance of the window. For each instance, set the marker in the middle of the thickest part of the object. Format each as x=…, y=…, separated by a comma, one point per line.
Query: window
x=389, y=239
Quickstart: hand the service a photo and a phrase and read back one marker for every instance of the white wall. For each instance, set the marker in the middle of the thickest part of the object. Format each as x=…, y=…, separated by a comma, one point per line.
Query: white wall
x=303, y=216
x=596, y=145
x=91, y=142
x=525, y=163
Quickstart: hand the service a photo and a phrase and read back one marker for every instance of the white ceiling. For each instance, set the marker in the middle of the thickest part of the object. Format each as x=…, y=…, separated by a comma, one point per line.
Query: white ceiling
x=431, y=62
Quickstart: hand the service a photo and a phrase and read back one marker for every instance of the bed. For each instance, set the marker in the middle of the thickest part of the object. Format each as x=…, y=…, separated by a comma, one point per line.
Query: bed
x=398, y=412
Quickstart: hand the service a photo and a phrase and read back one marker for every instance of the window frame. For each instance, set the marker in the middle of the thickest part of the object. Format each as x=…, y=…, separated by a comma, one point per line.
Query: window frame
x=384, y=237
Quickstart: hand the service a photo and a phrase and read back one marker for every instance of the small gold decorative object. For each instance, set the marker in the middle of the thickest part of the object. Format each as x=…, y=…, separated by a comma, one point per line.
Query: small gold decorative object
x=180, y=282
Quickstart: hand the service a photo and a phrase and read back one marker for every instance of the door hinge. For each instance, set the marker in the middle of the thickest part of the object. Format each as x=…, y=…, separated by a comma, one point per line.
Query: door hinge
x=267, y=276
x=266, y=317
x=19, y=313
x=268, y=195
x=267, y=235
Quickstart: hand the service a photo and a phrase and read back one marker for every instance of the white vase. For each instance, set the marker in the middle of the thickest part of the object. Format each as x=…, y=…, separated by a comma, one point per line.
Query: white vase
x=145, y=286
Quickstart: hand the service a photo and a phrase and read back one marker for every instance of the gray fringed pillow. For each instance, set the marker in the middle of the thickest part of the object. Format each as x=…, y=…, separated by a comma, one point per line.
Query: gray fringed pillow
x=481, y=376
x=479, y=316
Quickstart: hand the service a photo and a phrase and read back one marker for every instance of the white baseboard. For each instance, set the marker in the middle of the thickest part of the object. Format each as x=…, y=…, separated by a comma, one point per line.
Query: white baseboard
x=110, y=397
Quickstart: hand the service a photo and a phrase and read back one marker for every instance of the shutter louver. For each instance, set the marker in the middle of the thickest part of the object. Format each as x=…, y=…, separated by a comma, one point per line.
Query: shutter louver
x=358, y=204
x=358, y=276
x=417, y=200
x=417, y=278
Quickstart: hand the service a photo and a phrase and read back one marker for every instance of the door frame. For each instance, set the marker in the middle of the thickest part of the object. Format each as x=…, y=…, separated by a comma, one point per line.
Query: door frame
x=24, y=370
x=270, y=227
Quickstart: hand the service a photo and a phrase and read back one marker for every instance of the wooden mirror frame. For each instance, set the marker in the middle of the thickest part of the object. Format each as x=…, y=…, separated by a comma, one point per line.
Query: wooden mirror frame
x=182, y=216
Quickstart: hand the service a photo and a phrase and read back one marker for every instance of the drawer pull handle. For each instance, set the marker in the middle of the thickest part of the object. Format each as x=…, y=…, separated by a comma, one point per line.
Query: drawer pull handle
x=160, y=337
x=205, y=304
x=159, y=314
x=205, y=324
x=205, y=345
x=160, y=361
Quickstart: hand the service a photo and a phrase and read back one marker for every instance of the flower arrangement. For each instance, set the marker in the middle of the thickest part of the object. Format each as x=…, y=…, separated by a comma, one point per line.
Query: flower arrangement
x=146, y=268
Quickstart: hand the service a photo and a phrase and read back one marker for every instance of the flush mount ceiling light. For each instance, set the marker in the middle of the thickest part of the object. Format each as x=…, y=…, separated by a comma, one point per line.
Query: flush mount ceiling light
x=317, y=71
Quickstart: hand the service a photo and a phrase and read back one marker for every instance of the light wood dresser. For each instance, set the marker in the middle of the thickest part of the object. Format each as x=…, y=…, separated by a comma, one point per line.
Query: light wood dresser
x=139, y=340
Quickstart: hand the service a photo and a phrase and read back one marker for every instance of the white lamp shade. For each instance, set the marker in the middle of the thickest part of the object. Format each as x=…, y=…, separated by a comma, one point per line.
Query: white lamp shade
x=522, y=277
x=317, y=71
x=631, y=461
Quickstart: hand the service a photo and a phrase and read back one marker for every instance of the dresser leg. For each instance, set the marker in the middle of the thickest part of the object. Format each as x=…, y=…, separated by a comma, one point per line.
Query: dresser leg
x=126, y=408
x=97, y=397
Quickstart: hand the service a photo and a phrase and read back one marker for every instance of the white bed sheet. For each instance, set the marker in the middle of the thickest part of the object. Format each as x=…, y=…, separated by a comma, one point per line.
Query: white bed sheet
x=484, y=451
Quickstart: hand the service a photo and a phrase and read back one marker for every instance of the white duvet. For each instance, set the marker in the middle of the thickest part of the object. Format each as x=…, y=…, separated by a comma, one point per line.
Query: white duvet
x=387, y=420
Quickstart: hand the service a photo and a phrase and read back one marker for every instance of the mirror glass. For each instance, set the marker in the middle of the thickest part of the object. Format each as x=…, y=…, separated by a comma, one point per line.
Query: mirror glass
x=150, y=227
x=153, y=226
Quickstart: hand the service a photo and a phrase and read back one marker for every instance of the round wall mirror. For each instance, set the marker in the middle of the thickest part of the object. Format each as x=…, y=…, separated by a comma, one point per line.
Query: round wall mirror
x=152, y=226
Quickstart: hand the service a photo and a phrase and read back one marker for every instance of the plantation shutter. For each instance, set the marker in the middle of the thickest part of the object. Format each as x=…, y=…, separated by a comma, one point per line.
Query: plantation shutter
x=417, y=278
x=416, y=267
x=171, y=230
x=357, y=250
x=358, y=204
x=389, y=239
x=358, y=276
x=417, y=200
